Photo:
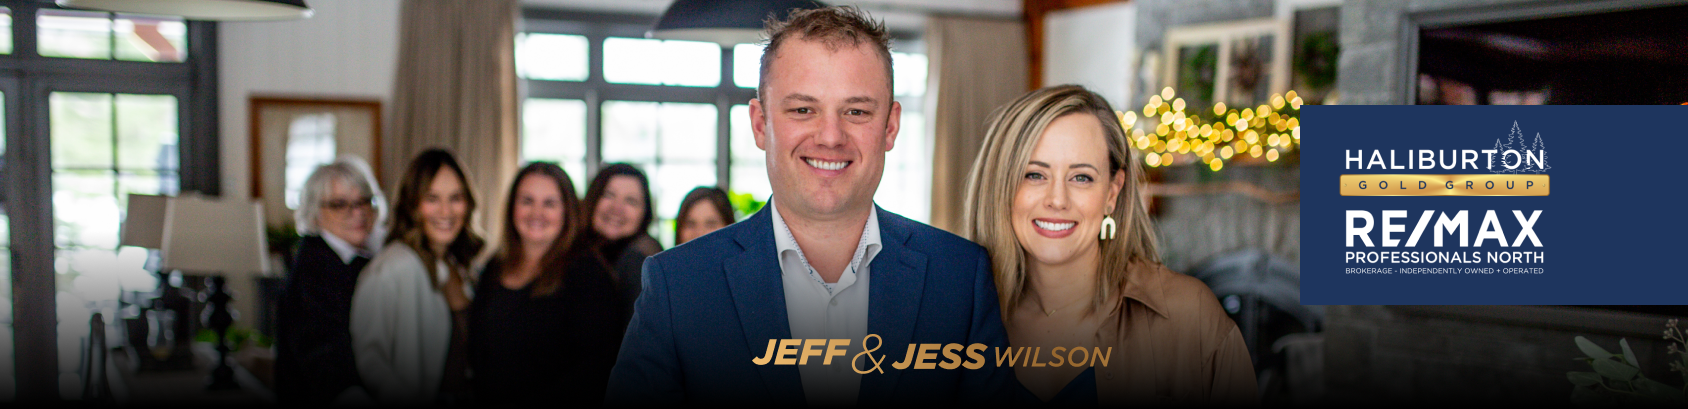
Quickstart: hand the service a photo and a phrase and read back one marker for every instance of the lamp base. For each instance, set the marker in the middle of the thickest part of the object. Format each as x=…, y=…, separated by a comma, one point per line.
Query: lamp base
x=219, y=318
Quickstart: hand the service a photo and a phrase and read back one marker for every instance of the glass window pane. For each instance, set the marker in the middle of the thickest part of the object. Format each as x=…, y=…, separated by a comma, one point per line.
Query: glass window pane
x=555, y=130
x=750, y=171
x=629, y=132
x=6, y=48
x=85, y=209
x=310, y=143
x=910, y=72
x=747, y=65
x=146, y=183
x=633, y=61
x=81, y=130
x=906, y=187
x=662, y=62
x=74, y=34
x=150, y=38
x=557, y=57
x=146, y=131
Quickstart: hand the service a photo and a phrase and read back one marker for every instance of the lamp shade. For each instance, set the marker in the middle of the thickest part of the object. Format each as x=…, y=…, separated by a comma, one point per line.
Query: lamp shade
x=221, y=237
x=143, y=221
x=724, y=22
x=227, y=10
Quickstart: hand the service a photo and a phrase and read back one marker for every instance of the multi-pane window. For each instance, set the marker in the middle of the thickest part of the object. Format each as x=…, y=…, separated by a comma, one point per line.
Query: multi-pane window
x=677, y=110
x=104, y=147
x=105, y=103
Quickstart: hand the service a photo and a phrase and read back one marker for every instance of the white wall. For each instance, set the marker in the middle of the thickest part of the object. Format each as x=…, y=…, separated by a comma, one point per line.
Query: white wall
x=1095, y=47
x=348, y=49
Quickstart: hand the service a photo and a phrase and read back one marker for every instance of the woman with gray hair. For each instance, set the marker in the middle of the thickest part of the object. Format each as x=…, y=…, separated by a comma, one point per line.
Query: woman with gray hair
x=338, y=214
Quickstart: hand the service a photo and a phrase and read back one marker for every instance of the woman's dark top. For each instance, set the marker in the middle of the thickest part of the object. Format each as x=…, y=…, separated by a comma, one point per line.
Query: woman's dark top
x=627, y=259
x=552, y=349
x=314, y=341
x=1081, y=391
x=454, y=385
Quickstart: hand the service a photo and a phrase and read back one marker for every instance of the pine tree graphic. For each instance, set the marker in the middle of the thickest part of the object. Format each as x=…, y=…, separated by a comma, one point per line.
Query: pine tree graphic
x=1514, y=141
x=1525, y=163
x=1540, y=150
x=1495, y=161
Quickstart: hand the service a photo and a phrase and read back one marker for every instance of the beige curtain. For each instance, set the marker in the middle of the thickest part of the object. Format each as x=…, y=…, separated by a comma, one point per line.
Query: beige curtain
x=456, y=88
x=975, y=66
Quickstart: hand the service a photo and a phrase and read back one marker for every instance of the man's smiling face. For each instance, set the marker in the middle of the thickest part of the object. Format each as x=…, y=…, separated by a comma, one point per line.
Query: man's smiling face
x=826, y=123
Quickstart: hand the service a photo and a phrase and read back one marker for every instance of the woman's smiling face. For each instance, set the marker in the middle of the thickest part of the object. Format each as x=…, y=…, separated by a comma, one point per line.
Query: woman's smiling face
x=1064, y=191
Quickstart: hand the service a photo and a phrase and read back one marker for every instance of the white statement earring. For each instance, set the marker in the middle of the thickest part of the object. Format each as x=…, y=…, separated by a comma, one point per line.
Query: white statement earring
x=1108, y=227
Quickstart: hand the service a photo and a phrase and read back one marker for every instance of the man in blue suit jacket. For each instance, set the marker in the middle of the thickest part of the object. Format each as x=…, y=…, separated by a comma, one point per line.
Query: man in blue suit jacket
x=711, y=305
x=821, y=261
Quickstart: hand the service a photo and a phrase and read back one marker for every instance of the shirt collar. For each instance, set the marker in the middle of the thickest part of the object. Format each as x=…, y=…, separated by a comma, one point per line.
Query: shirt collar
x=1143, y=284
x=346, y=251
x=866, y=248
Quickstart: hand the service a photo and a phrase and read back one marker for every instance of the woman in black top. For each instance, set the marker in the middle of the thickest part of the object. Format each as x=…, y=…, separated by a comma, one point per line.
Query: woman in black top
x=338, y=212
x=618, y=206
x=547, y=319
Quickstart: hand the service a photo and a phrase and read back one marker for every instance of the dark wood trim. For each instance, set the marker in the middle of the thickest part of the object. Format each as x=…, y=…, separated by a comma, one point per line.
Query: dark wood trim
x=255, y=106
x=1033, y=11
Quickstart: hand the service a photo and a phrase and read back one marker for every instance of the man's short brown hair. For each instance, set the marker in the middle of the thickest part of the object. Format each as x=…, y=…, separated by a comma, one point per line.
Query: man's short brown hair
x=836, y=27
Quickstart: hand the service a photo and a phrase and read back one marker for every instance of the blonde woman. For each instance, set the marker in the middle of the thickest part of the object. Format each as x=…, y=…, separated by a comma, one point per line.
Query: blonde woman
x=1060, y=211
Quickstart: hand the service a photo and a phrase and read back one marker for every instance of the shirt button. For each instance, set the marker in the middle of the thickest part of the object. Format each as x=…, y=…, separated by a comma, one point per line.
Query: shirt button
x=835, y=303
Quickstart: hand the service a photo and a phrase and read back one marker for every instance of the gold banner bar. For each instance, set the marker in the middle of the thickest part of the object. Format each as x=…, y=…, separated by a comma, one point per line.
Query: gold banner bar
x=1445, y=185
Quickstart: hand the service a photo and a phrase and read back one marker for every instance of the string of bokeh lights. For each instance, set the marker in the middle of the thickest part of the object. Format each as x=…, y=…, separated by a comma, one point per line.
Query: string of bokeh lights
x=1177, y=137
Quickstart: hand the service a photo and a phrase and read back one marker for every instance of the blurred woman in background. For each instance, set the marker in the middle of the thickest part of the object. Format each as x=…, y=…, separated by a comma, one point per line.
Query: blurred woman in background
x=410, y=311
x=338, y=214
x=704, y=210
x=547, y=318
x=619, y=207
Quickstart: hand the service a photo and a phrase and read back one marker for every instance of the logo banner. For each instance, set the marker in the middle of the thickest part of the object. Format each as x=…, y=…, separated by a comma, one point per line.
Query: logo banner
x=1488, y=205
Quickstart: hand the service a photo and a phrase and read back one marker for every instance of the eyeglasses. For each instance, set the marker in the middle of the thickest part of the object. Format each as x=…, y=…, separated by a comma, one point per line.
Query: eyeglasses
x=341, y=205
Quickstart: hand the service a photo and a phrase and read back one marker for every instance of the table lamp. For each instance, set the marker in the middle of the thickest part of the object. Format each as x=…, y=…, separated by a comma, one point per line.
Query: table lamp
x=153, y=340
x=223, y=239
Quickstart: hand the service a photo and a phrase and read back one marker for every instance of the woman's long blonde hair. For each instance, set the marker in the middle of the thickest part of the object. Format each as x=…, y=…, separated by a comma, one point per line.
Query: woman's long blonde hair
x=1013, y=133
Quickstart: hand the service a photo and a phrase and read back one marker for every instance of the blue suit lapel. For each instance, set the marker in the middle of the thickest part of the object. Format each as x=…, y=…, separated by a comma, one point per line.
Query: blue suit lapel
x=759, y=295
x=898, y=276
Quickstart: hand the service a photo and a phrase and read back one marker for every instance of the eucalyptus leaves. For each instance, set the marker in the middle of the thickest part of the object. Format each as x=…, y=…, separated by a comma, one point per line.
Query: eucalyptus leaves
x=1617, y=378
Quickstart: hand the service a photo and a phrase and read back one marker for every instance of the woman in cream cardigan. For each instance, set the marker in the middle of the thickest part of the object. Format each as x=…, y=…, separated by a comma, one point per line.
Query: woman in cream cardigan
x=1059, y=208
x=410, y=310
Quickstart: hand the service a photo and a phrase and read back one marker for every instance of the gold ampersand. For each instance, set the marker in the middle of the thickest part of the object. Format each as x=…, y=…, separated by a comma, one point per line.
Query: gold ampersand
x=870, y=358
